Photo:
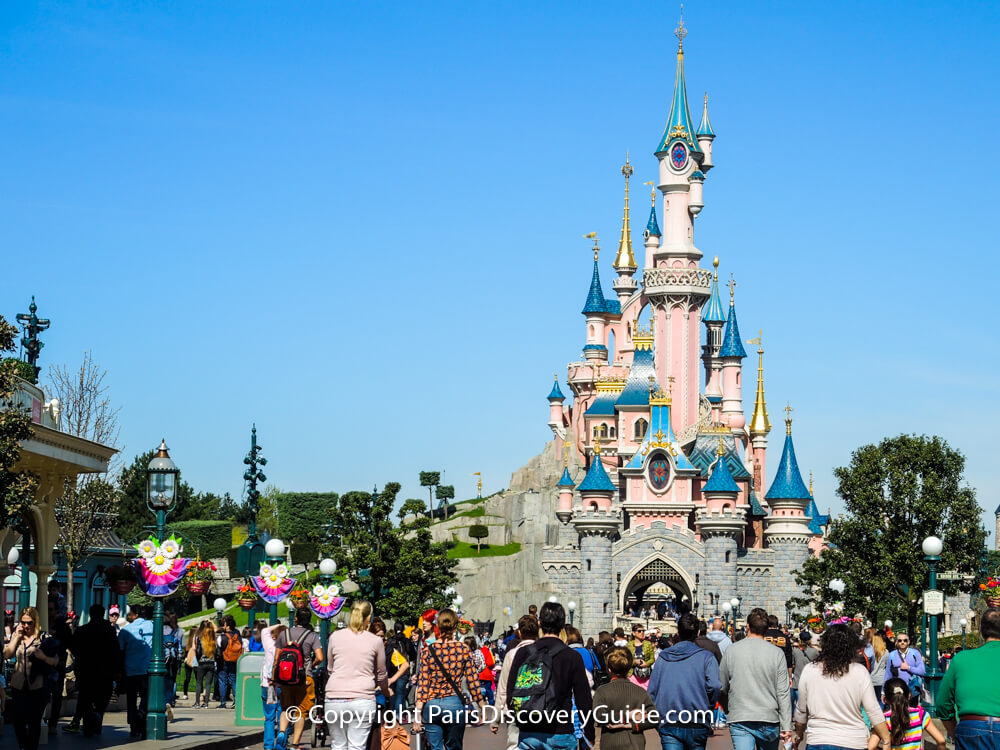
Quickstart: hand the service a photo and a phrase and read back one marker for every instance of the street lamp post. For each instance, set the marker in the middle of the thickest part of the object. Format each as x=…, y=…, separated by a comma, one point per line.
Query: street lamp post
x=291, y=613
x=735, y=604
x=220, y=607
x=13, y=558
x=274, y=550
x=327, y=568
x=571, y=606
x=727, y=610
x=932, y=547
x=964, y=624
x=161, y=492
x=458, y=604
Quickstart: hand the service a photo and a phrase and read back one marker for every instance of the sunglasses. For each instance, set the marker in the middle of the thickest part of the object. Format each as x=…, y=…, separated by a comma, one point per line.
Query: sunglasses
x=27, y=622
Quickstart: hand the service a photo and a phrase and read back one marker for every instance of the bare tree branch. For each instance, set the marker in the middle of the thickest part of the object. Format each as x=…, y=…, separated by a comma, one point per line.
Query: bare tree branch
x=85, y=509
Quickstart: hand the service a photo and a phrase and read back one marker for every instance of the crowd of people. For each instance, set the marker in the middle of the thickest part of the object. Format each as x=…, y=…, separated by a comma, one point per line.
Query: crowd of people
x=542, y=682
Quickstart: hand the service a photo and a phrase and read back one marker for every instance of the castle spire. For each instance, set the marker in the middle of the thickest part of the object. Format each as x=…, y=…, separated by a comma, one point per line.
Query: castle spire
x=759, y=424
x=788, y=484
x=625, y=258
x=679, y=121
x=652, y=226
x=705, y=128
x=731, y=344
x=713, y=312
x=595, y=296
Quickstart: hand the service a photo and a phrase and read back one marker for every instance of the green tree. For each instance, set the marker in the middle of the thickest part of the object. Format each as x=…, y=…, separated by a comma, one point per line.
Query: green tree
x=430, y=479
x=478, y=532
x=267, y=510
x=398, y=569
x=302, y=515
x=85, y=509
x=17, y=488
x=896, y=494
x=444, y=493
x=134, y=517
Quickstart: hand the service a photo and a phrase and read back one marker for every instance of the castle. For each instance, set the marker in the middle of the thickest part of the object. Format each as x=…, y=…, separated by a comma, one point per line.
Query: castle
x=672, y=504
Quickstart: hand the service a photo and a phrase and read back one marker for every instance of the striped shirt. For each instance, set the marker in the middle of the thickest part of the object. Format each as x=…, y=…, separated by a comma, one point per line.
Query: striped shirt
x=914, y=733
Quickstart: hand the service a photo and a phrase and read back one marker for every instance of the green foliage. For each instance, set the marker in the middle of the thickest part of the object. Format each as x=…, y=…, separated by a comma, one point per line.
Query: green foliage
x=896, y=494
x=204, y=538
x=305, y=553
x=430, y=478
x=302, y=515
x=17, y=489
x=22, y=369
x=478, y=532
x=972, y=640
x=412, y=507
x=406, y=568
x=474, y=513
x=464, y=549
x=267, y=510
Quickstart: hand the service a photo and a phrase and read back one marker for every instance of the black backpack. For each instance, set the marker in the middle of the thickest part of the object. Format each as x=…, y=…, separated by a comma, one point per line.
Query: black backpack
x=534, y=688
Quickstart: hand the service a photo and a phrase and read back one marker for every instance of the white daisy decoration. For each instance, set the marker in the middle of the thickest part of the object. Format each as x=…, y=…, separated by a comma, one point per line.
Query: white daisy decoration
x=159, y=563
x=146, y=548
x=281, y=570
x=319, y=589
x=170, y=549
x=265, y=570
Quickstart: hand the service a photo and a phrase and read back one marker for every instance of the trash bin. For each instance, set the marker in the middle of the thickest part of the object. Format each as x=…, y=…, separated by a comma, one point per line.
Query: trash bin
x=249, y=706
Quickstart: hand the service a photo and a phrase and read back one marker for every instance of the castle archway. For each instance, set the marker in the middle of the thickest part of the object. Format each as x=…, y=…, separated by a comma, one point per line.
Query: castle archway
x=656, y=588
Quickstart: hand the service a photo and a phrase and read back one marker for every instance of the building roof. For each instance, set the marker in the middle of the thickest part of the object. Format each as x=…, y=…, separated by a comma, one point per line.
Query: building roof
x=732, y=346
x=660, y=435
x=721, y=480
x=636, y=391
x=597, y=479
x=679, y=121
x=704, y=453
x=756, y=509
x=705, y=128
x=556, y=393
x=788, y=484
x=612, y=307
x=565, y=480
x=652, y=226
x=713, y=312
x=603, y=405
x=817, y=520
x=595, y=297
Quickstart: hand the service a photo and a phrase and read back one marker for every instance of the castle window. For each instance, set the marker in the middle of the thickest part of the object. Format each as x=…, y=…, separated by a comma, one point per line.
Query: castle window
x=588, y=566
x=639, y=428
x=612, y=432
x=727, y=555
x=604, y=430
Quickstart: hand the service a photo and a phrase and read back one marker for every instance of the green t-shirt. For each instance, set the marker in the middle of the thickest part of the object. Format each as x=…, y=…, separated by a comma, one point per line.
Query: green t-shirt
x=970, y=684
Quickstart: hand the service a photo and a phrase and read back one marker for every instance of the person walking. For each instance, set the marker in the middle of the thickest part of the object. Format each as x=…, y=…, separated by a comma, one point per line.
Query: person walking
x=526, y=634
x=779, y=638
x=190, y=660
x=301, y=694
x=231, y=649
x=703, y=641
x=685, y=686
x=968, y=693
x=906, y=725
x=908, y=665
x=833, y=691
x=28, y=694
x=440, y=708
x=95, y=661
x=799, y=661
x=355, y=667
x=879, y=659
x=565, y=685
x=622, y=709
x=205, y=645
x=172, y=642
x=402, y=645
x=643, y=654
x=755, y=689
x=268, y=688
x=574, y=639
x=136, y=643
x=718, y=634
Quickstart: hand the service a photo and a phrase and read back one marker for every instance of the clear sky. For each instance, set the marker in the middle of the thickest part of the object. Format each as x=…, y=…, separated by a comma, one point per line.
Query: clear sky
x=359, y=224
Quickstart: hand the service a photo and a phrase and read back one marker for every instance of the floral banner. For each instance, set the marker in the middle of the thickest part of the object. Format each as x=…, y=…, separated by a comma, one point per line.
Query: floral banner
x=325, y=602
x=159, y=567
x=273, y=583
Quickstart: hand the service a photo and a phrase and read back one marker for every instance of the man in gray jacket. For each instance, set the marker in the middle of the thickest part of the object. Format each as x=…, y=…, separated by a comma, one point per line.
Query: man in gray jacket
x=755, y=694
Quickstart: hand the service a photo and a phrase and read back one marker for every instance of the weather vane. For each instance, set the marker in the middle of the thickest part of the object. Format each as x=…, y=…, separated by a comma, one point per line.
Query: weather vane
x=627, y=169
x=597, y=247
x=732, y=289
x=680, y=32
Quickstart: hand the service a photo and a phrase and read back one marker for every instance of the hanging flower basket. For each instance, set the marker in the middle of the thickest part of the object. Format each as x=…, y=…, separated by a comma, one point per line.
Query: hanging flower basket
x=198, y=587
x=198, y=576
x=299, y=597
x=246, y=596
x=991, y=591
x=121, y=578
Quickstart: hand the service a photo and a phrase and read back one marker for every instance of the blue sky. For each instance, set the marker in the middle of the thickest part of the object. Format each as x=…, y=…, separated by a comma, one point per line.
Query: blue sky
x=359, y=225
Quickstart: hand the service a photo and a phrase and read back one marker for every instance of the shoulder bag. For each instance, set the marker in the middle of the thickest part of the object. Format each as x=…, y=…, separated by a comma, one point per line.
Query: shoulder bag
x=462, y=696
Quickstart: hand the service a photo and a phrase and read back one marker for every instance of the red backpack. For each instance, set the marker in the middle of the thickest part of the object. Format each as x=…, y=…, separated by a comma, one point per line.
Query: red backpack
x=290, y=664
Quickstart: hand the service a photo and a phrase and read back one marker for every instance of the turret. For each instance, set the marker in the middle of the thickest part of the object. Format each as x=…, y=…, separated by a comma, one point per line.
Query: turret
x=714, y=318
x=625, y=285
x=565, y=485
x=595, y=309
x=651, y=235
x=788, y=497
x=732, y=355
x=597, y=489
x=705, y=137
x=760, y=425
x=556, y=399
x=719, y=523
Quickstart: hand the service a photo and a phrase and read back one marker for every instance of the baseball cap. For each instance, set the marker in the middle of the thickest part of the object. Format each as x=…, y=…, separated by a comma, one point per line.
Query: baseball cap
x=113, y=610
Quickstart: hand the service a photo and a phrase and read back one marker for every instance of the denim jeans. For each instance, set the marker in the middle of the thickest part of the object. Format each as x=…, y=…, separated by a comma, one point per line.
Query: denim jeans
x=677, y=737
x=444, y=724
x=270, y=718
x=546, y=741
x=754, y=735
x=227, y=686
x=977, y=735
x=399, y=692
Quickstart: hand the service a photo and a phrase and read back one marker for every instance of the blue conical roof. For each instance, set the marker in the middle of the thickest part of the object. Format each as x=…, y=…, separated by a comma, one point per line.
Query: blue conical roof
x=556, y=393
x=817, y=520
x=651, y=226
x=565, y=480
x=721, y=480
x=788, y=484
x=705, y=128
x=597, y=479
x=679, y=122
x=595, y=297
x=731, y=344
x=713, y=312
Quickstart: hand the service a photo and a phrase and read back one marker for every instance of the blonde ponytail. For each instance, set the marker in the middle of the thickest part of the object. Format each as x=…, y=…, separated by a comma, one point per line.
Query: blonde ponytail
x=360, y=612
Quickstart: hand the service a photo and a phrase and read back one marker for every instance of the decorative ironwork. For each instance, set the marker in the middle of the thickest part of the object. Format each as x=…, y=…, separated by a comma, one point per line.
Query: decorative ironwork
x=33, y=325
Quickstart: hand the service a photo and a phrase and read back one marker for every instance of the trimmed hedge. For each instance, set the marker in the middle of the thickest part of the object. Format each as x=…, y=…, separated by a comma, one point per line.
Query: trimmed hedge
x=301, y=515
x=304, y=553
x=205, y=538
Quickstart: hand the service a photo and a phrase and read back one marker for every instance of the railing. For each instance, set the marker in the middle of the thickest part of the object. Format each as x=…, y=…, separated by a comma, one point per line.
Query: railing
x=667, y=279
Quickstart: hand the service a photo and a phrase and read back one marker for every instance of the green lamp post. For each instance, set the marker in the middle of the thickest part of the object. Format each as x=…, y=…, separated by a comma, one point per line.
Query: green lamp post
x=163, y=478
x=251, y=552
x=14, y=557
x=571, y=606
x=275, y=553
x=291, y=613
x=220, y=607
x=327, y=568
x=964, y=624
x=727, y=614
x=932, y=547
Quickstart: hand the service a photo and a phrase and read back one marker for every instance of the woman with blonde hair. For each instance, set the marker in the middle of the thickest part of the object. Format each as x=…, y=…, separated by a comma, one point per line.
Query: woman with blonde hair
x=27, y=683
x=879, y=658
x=355, y=666
x=204, y=671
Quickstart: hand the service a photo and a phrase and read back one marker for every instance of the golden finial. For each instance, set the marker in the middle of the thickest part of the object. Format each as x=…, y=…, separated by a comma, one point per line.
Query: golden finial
x=566, y=454
x=721, y=450
x=788, y=419
x=680, y=32
x=625, y=258
x=715, y=265
x=760, y=424
x=810, y=484
x=597, y=247
x=652, y=192
x=732, y=289
x=597, y=444
x=652, y=383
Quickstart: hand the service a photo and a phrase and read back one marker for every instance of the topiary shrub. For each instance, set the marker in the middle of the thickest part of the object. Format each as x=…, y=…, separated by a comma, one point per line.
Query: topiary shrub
x=204, y=539
x=478, y=532
x=304, y=553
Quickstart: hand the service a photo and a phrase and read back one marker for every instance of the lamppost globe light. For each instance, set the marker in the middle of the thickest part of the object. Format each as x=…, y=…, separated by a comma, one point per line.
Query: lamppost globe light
x=219, y=604
x=727, y=607
x=963, y=622
x=13, y=557
x=327, y=566
x=734, y=602
x=932, y=546
x=837, y=585
x=888, y=623
x=274, y=548
x=290, y=604
x=571, y=606
x=458, y=600
x=162, y=477
x=553, y=599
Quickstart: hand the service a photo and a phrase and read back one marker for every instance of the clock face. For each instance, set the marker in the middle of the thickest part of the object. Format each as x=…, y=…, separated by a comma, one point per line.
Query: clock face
x=659, y=472
x=678, y=155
